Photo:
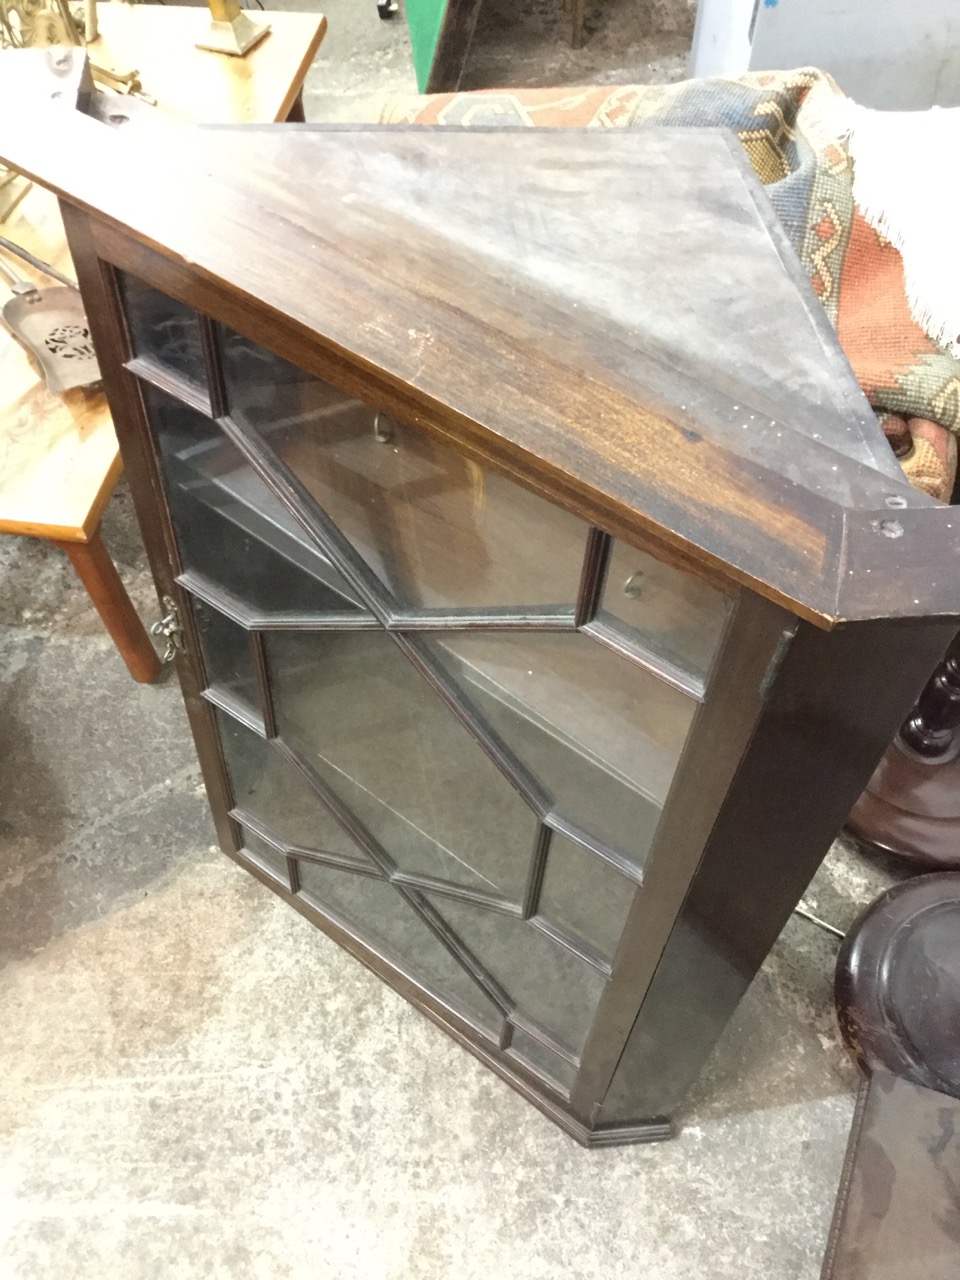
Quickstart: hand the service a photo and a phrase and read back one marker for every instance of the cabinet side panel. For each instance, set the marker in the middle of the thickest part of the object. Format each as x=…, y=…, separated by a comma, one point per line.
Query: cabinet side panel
x=832, y=707
x=754, y=641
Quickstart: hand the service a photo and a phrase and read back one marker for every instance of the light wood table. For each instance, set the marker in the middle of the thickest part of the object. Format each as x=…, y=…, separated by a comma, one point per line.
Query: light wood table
x=59, y=460
x=198, y=85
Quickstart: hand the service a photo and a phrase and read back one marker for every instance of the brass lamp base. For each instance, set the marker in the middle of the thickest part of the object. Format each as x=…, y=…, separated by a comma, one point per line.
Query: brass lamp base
x=235, y=37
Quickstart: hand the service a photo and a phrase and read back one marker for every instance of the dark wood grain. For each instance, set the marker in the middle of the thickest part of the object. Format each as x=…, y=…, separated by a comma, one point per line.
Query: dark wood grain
x=911, y=806
x=389, y=301
x=931, y=727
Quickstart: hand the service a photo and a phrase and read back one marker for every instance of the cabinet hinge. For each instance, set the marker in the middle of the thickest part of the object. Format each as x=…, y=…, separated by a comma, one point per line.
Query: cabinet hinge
x=776, y=661
x=170, y=628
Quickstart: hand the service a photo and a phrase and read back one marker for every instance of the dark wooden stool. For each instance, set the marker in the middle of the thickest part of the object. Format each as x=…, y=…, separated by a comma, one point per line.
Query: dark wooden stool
x=898, y=1002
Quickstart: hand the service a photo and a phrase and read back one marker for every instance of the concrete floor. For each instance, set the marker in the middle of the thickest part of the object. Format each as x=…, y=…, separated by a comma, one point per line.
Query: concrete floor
x=197, y=1084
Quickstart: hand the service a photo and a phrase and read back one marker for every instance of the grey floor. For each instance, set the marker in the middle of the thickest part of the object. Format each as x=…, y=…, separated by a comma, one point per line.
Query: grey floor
x=197, y=1084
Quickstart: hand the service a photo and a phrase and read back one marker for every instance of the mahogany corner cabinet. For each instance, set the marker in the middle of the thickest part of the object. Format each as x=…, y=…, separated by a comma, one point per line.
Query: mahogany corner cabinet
x=547, y=591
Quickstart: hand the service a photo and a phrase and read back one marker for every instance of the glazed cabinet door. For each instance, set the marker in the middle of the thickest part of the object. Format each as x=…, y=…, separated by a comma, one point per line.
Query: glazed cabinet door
x=449, y=711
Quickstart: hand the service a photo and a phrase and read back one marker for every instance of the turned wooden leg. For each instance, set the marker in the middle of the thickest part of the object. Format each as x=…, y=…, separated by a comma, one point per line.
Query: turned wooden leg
x=98, y=574
x=579, y=17
x=911, y=805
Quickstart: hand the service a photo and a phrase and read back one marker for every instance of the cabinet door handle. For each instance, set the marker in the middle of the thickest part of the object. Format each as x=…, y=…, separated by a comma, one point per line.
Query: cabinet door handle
x=171, y=629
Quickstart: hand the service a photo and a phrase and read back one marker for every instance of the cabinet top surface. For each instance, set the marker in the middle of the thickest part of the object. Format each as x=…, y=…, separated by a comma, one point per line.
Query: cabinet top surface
x=615, y=316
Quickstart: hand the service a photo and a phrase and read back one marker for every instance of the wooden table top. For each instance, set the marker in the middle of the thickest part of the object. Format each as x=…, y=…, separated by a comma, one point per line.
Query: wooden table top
x=59, y=459
x=197, y=84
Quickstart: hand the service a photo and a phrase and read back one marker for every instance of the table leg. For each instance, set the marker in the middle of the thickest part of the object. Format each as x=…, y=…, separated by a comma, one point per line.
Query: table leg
x=98, y=574
x=295, y=114
x=579, y=18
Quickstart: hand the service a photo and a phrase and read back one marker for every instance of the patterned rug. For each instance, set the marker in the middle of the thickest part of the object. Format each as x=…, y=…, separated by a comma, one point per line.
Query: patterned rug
x=791, y=125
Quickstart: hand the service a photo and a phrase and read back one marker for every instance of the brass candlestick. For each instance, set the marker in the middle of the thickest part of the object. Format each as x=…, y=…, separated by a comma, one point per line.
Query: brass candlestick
x=231, y=30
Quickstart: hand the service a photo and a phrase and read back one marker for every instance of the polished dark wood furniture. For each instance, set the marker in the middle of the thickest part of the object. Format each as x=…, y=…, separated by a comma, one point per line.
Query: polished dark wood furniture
x=898, y=1002
x=537, y=556
x=911, y=805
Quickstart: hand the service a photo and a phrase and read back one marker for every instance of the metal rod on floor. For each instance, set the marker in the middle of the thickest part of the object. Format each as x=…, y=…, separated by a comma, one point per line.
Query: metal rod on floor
x=803, y=910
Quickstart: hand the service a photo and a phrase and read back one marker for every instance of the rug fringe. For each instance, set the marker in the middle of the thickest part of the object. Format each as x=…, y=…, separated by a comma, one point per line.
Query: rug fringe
x=904, y=184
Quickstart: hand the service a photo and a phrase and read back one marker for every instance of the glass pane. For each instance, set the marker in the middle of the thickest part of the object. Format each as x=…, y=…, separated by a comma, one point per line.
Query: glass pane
x=440, y=531
x=275, y=792
x=376, y=911
x=534, y=1054
x=163, y=330
x=584, y=895
x=546, y=983
x=670, y=613
x=266, y=856
x=399, y=760
x=230, y=527
x=600, y=733
x=226, y=655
